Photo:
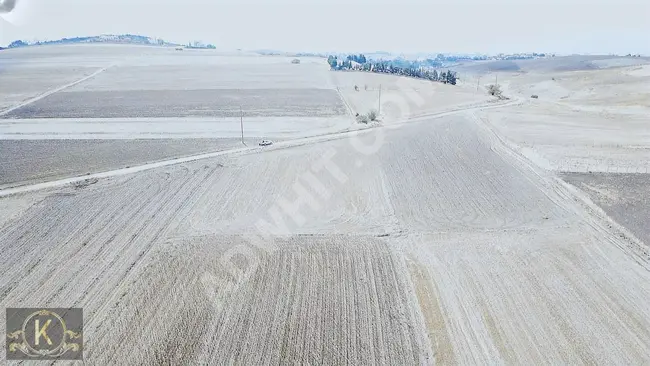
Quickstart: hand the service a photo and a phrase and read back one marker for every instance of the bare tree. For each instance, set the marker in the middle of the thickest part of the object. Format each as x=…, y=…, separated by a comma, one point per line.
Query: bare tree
x=362, y=118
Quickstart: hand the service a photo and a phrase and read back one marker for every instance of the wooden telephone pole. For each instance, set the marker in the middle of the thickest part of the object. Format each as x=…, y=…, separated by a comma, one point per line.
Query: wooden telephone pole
x=379, y=107
x=241, y=122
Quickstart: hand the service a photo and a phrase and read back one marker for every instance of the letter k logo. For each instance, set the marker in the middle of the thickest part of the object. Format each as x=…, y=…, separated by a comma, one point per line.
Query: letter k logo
x=41, y=332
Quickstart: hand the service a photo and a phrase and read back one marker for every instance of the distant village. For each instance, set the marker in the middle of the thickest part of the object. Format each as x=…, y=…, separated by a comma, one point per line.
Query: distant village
x=112, y=38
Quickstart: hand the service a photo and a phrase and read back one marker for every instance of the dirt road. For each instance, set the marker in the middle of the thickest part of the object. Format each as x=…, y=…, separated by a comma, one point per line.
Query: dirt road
x=33, y=161
x=421, y=240
x=442, y=247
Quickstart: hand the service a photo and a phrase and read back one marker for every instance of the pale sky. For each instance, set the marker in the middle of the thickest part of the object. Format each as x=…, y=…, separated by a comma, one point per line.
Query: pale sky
x=467, y=26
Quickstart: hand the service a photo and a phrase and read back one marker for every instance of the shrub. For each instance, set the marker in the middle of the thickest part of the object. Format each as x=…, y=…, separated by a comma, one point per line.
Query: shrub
x=362, y=118
x=494, y=90
x=372, y=115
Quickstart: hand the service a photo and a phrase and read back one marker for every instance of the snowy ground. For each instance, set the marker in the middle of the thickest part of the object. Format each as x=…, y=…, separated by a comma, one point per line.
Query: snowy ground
x=109, y=92
x=440, y=247
x=141, y=92
x=624, y=197
x=585, y=120
x=33, y=161
x=437, y=240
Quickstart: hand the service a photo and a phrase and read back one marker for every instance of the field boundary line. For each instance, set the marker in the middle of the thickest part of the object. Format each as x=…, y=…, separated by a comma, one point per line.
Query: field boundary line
x=114, y=172
x=345, y=102
x=53, y=91
x=636, y=247
x=580, y=203
x=9, y=191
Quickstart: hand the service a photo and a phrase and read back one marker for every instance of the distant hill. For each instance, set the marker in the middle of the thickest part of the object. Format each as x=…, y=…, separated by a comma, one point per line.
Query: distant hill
x=109, y=38
x=551, y=64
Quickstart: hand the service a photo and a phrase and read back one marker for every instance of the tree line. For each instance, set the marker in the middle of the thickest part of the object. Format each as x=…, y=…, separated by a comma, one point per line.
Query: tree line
x=395, y=67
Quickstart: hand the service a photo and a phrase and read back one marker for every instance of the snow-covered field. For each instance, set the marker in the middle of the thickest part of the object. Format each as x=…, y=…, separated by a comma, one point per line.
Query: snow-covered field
x=585, y=120
x=442, y=247
x=34, y=161
x=624, y=197
x=100, y=92
x=402, y=98
x=431, y=241
x=142, y=92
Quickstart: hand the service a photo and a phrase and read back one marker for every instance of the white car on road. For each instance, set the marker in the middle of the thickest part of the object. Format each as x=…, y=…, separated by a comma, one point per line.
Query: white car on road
x=266, y=143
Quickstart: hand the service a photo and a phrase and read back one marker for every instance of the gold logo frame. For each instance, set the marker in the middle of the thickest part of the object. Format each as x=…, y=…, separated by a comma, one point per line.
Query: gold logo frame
x=62, y=348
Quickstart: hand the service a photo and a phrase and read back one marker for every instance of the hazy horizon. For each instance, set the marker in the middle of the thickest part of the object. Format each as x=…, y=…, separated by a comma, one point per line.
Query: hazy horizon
x=410, y=26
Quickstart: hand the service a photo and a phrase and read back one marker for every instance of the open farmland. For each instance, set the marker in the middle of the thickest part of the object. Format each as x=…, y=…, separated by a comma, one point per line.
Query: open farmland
x=550, y=65
x=32, y=161
x=208, y=71
x=204, y=85
x=111, y=92
x=186, y=103
x=624, y=197
x=160, y=82
x=20, y=84
x=439, y=240
x=591, y=114
x=402, y=98
x=349, y=274
x=571, y=140
x=494, y=194
x=302, y=291
x=100, y=94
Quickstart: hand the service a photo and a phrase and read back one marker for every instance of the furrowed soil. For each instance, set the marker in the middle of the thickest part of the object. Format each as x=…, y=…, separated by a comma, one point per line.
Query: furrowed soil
x=309, y=300
x=624, y=197
x=185, y=103
x=226, y=259
x=402, y=98
x=34, y=161
x=437, y=241
x=22, y=83
x=138, y=92
x=590, y=114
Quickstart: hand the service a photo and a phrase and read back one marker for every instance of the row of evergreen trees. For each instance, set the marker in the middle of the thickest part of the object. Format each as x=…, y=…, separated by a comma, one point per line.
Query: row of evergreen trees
x=391, y=67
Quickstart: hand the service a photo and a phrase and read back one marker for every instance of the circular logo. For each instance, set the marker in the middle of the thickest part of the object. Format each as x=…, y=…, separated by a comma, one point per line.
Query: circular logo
x=44, y=333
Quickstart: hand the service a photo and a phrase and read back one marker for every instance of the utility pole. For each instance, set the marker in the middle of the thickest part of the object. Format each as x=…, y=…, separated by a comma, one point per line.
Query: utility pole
x=379, y=109
x=478, y=81
x=241, y=122
x=496, y=79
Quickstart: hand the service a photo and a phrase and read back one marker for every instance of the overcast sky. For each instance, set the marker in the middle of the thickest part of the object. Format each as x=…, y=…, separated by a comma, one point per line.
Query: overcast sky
x=484, y=26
